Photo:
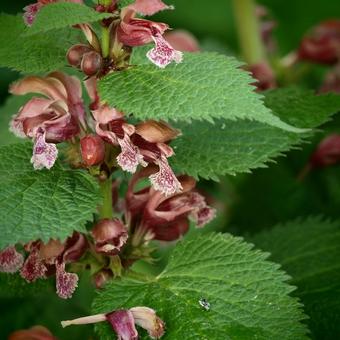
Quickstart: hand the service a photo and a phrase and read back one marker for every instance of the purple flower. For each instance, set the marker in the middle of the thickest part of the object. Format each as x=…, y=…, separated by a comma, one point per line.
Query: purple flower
x=123, y=322
x=10, y=260
x=34, y=267
x=66, y=283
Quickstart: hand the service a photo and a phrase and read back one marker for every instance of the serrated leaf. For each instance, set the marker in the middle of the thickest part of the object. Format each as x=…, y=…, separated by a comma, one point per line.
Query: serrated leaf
x=231, y=147
x=310, y=252
x=205, y=86
x=36, y=54
x=248, y=295
x=41, y=204
x=64, y=14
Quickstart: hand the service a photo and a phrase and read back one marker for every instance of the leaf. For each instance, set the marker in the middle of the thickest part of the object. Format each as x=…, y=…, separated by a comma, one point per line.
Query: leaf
x=64, y=14
x=41, y=204
x=310, y=252
x=247, y=294
x=14, y=286
x=205, y=86
x=36, y=54
x=10, y=108
x=231, y=147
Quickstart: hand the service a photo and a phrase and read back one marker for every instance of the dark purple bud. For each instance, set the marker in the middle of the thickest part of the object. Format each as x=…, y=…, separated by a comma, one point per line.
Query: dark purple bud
x=109, y=236
x=92, y=150
x=327, y=152
x=75, y=54
x=91, y=63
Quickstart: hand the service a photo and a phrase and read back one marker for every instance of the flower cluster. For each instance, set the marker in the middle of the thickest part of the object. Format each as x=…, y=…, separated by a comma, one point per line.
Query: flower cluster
x=44, y=260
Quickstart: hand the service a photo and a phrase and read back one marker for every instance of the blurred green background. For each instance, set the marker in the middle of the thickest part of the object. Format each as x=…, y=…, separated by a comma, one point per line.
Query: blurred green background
x=248, y=202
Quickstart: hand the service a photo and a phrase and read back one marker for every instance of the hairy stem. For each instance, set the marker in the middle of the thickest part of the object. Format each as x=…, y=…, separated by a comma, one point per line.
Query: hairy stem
x=105, y=42
x=106, y=210
x=248, y=31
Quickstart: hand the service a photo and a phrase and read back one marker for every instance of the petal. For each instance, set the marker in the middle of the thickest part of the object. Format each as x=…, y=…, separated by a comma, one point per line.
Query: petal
x=10, y=260
x=163, y=53
x=146, y=318
x=49, y=87
x=123, y=324
x=203, y=216
x=30, y=13
x=44, y=154
x=33, y=267
x=130, y=156
x=105, y=114
x=165, y=180
x=16, y=127
x=66, y=283
x=149, y=7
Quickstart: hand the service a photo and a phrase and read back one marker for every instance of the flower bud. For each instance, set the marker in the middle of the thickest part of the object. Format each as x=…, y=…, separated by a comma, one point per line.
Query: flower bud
x=92, y=150
x=327, y=152
x=156, y=132
x=101, y=278
x=109, y=236
x=91, y=63
x=322, y=45
x=75, y=54
x=264, y=75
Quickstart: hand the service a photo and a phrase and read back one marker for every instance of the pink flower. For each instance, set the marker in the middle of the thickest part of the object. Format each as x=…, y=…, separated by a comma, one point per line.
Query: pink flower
x=34, y=267
x=123, y=322
x=137, y=32
x=109, y=236
x=32, y=10
x=10, y=260
x=50, y=119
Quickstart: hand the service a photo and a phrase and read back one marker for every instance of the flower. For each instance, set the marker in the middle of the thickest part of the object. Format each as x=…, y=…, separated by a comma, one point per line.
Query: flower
x=31, y=11
x=123, y=322
x=137, y=32
x=322, y=44
x=109, y=236
x=10, y=260
x=52, y=257
x=165, y=218
x=34, y=333
x=49, y=120
x=327, y=152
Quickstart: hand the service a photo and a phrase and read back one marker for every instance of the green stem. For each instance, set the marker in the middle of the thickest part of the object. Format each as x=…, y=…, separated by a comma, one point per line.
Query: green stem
x=106, y=210
x=105, y=42
x=105, y=2
x=249, y=31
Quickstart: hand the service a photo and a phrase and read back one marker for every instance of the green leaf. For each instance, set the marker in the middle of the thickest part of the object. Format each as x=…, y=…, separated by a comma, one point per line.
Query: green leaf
x=41, y=204
x=310, y=252
x=231, y=147
x=64, y=14
x=37, y=54
x=10, y=108
x=13, y=285
x=205, y=86
x=248, y=295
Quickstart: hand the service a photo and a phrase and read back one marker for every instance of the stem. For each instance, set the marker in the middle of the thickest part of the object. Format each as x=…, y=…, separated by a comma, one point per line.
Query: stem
x=249, y=31
x=105, y=2
x=105, y=42
x=106, y=210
